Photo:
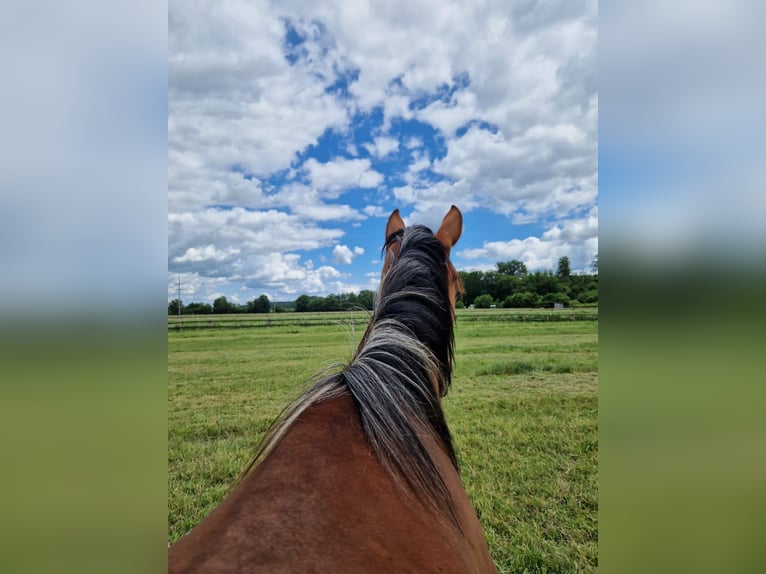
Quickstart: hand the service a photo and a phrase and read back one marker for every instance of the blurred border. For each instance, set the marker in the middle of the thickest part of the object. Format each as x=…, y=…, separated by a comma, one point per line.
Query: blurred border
x=83, y=252
x=683, y=270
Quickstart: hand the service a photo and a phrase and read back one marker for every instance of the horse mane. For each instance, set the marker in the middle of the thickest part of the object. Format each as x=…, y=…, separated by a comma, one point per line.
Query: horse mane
x=401, y=368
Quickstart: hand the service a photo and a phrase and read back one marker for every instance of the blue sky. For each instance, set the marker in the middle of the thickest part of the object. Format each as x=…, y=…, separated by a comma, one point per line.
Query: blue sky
x=294, y=131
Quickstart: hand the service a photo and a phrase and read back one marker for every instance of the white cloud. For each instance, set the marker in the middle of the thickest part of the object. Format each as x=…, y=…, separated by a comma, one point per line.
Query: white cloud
x=233, y=96
x=325, y=212
x=195, y=287
x=334, y=176
x=374, y=211
x=420, y=162
x=433, y=200
x=342, y=255
x=206, y=253
x=511, y=89
x=370, y=178
x=544, y=170
x=449, y=116
x=285, y=274
x=574, y=238
x=237, y=243
x=413, y=142
x=250, y=229
x=531, y=76
x=395, y=105
x=383, y=146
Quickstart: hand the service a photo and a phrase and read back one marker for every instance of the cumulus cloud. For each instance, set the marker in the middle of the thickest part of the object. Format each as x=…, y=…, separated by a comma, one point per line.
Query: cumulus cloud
x=339, y=174
x=506, y=95
x=419, y=163
x=286, y=275
x=382, y=146
x=451, y=115
x=195, y=287
x=413, y=142
x=325, y=212
x=230, y=88
x=236, y=243
x=206, y=253
x=574, y=238
x=341, y=254
x=374, y=211
x=542, y=171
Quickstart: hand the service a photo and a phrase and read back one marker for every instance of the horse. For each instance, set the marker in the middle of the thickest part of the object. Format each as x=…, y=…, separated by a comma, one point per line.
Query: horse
x=359, y=474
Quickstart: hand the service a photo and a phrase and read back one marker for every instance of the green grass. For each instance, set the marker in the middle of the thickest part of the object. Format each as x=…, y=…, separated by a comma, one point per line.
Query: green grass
x=522, y=411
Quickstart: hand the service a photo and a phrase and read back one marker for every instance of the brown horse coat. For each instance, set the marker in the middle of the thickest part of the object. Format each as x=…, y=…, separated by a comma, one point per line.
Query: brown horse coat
x=322, y=502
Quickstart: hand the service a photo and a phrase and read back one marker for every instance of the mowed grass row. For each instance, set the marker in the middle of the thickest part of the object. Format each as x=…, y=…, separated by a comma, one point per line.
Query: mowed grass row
x=292, y=319
x=522, y=411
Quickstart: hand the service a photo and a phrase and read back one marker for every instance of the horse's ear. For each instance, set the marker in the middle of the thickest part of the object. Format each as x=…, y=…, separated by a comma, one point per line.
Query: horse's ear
x=395, y=223
x=451, y=228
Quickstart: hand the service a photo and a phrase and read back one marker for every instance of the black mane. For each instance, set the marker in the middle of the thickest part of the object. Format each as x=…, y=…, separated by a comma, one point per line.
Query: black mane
x=408, y=348
x=415, y=293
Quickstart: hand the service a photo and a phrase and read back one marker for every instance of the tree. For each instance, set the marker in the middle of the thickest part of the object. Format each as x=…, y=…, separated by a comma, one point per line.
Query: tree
x=581, y=284
x=198, y=309
x=474, y=285
x=332, y=303
x=302, y=304
x=221, y=305
x=260, y=305
x=541, y=282
x=594, y=264
x=366, y=299
x=500, y=286
x=589, y=296
x=174, y=305
x=513, y=268
x=563, y=271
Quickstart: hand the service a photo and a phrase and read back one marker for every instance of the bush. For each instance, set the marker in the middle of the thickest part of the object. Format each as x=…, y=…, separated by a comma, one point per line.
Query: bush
x=590, y=296
x=459, y=304
x=550, y=298
x=523, y=299
x=483, y=301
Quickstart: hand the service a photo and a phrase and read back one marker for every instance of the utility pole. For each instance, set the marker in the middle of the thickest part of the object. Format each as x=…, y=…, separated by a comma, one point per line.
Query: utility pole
x=179, y=296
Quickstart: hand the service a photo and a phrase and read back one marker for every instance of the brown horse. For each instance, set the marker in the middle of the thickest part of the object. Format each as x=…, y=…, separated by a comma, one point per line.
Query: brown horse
x=359, y=474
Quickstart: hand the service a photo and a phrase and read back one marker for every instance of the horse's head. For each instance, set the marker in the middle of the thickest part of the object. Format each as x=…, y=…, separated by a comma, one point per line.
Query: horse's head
x=448, y=234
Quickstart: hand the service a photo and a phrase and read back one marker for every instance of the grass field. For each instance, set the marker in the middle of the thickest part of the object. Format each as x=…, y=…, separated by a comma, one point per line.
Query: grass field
x=522, y=411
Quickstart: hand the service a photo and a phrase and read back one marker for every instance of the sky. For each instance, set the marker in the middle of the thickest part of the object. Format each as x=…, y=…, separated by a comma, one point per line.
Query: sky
x=296, y=128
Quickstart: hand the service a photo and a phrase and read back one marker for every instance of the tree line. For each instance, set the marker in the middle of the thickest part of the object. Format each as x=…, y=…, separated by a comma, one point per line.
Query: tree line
x=222, y=306
x=510, y=285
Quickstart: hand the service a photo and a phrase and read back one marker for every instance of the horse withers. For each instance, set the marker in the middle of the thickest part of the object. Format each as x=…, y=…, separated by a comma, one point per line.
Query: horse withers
x=360, y=474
